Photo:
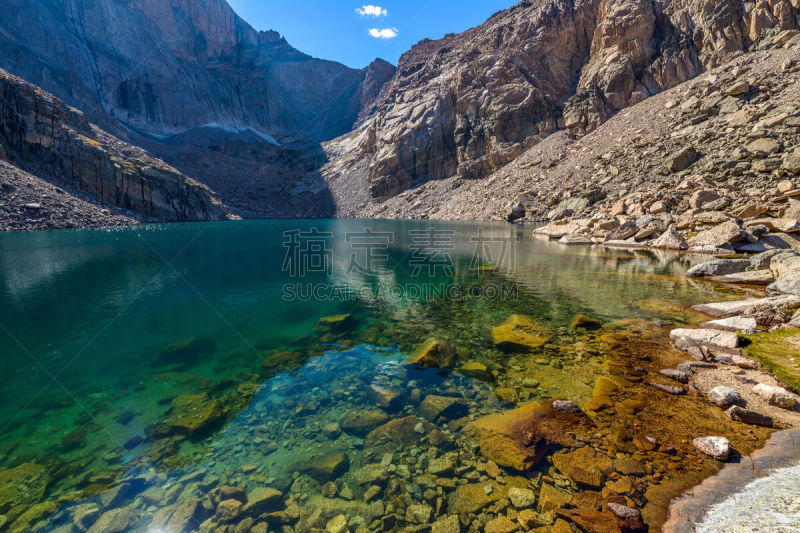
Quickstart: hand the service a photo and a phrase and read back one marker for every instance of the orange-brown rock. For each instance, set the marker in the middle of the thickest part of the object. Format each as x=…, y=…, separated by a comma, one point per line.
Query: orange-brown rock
x=520, y=333
x=518, y=439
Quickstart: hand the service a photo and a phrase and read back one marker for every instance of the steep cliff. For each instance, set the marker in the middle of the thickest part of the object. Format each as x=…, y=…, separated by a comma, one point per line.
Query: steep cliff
x=468, y=104
x=43, y=137
x=166, y=66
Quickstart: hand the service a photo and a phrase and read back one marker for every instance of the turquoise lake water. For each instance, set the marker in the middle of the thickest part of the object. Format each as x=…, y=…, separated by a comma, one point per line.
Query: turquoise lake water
x=193, y=355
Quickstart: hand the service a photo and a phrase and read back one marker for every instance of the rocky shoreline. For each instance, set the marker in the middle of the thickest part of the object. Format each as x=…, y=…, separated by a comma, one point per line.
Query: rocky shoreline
x=780, y=451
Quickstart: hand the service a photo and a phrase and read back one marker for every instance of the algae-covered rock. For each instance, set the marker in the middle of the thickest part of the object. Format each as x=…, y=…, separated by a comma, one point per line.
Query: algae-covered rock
x=472, y=497
x=22, y=485
x=193, y=413
x=476, y=370
x=32, y=516
x=433, y=353
x=520, y=334
x=335, y=324
x=584, y=322
x=519, y=438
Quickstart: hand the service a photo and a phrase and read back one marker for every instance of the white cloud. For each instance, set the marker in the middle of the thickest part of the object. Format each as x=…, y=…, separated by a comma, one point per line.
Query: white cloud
x=384, y=33
x=371, y=11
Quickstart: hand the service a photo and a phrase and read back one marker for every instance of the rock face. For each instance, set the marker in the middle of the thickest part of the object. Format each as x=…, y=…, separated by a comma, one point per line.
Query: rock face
x=44, y=137
x=237, y=109
x=167, y=66
x=468, y=104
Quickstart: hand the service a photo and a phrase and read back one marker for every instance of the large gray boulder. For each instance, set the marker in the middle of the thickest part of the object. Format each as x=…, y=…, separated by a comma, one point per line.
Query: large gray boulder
x=718, y=267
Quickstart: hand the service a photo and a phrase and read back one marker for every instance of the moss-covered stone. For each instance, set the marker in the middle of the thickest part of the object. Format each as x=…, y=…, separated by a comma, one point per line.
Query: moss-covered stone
x=22, y=485
x=433, y=353
x=335, y=324
x=191, y=414
x=583, y=322
x=520, y=334
x=779, y=351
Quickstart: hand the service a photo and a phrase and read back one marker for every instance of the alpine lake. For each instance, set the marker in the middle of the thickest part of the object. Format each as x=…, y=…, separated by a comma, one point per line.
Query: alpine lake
x=304, y=376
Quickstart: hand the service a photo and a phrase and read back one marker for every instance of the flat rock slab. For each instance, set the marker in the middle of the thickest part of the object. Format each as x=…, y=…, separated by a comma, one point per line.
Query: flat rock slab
x=735, y=324
x=749, y=307
x=713, y=340
x=753, y=277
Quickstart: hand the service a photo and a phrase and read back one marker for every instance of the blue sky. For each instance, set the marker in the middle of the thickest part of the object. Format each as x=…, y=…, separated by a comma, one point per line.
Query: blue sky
x=355, y=33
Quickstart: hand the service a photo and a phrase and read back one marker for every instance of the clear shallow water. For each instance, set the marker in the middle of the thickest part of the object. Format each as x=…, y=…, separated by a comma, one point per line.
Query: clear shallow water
x=188, y=357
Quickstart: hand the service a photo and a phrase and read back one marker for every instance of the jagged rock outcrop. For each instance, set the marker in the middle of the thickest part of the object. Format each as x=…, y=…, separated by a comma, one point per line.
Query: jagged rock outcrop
x=167, y=66
x=44, y=137
x=470, y=103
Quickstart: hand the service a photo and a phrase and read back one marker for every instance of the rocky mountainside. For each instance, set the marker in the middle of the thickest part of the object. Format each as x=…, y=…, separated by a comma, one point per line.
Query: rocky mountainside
x=167, y=66
x=58, y=170
x=190, y=81
x=465, y=106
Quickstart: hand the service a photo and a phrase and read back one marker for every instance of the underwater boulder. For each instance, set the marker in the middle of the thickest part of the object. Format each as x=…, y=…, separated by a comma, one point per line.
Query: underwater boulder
x=520, y=334
x=192, y=413
x=520, y=438
x=433, y=353
x=185, y=353
x=334, y=324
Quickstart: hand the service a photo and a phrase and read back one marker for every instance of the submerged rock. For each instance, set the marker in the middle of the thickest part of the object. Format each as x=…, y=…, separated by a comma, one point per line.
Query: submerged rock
x=193, y=413
x=433, y=407
x=585, y=466
x=434, y=353
x=583, y=322
x=187, y=352
x=360, y=422
x=520, y=334
x=395, y=433
x=22, y=485
x=323, y=468
x=334, y=325
x=519, y=438
x=117, y=521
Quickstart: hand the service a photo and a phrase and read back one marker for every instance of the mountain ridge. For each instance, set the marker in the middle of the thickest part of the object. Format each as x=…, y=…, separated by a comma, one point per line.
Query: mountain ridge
x=468, y=104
